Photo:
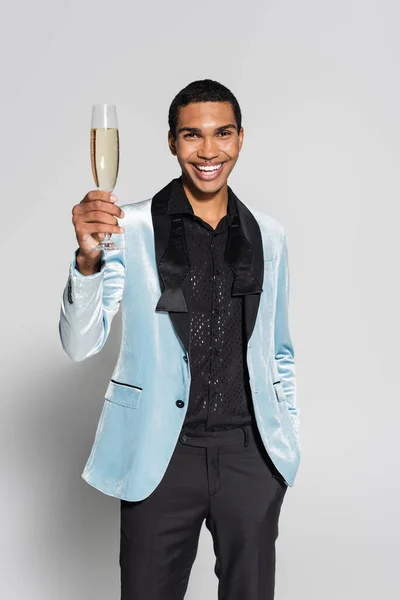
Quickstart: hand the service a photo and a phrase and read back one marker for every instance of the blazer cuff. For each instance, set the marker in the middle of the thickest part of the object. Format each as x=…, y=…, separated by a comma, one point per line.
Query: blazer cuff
x=74, y=271
x=83, y=289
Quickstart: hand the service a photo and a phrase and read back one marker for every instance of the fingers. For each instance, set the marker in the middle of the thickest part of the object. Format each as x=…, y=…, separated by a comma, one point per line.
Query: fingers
x=98, y=195
x=97, y=213
x=101, y=227
x=99, y=216
x=82, y=228
x=97, y=204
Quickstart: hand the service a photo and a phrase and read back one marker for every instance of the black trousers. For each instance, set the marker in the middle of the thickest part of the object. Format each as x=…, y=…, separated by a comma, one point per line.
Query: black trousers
x=228, y=480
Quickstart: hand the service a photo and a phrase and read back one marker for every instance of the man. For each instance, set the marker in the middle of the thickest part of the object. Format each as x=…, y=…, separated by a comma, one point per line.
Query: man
x=199, y=421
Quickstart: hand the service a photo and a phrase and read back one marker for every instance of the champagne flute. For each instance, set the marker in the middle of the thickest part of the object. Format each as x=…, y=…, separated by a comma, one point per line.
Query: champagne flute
x=104, y=155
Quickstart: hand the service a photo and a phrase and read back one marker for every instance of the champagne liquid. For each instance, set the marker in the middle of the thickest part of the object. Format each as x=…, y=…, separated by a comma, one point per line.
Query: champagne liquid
x=104, y=155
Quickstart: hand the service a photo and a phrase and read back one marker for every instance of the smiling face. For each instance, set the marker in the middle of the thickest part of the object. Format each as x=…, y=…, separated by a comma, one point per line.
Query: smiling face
x=207, y=144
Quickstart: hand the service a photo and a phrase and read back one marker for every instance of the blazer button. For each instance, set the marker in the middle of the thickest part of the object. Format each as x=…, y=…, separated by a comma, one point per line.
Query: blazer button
x=185, y=358
x=180, y=403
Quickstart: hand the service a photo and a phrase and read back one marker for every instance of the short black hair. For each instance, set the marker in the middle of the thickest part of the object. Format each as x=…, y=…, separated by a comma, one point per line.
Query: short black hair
x=202, y=90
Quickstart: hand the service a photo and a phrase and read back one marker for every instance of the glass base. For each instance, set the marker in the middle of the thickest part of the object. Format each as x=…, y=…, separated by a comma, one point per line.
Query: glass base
x=107, y=245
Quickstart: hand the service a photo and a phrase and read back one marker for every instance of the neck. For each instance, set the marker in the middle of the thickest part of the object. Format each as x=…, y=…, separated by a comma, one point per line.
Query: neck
x=209, y=207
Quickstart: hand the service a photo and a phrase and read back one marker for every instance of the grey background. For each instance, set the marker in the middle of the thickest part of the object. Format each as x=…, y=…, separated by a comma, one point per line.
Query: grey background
x=319, y=89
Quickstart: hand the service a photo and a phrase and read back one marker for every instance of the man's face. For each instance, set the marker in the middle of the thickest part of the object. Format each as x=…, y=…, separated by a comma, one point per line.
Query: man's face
x=206, y=135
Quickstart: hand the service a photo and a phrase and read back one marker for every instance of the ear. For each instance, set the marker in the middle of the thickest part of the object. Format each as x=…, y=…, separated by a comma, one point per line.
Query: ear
x=171, y=143
x=241, y=137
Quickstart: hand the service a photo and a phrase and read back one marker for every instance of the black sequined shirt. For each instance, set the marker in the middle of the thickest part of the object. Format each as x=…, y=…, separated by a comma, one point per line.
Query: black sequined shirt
x=220, y=396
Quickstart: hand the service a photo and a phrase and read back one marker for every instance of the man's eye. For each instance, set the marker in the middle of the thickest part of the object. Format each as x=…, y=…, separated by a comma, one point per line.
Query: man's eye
x=225, y=133
x=190, y=134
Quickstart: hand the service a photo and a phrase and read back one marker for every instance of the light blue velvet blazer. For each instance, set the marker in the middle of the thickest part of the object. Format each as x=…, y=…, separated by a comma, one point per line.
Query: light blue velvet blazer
x=140, y=420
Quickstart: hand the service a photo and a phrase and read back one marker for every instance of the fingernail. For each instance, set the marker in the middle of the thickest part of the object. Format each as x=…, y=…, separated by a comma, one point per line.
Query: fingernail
x=113, y=197
x=122, y=214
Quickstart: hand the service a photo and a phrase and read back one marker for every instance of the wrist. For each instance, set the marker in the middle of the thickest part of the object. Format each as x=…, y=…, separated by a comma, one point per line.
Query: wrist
x=88, y=264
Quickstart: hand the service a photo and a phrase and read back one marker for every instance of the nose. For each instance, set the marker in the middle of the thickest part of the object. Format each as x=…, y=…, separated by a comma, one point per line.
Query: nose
x=209, y=149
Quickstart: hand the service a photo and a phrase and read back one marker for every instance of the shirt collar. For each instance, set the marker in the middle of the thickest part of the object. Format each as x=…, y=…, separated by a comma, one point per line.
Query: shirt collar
x=178, y=202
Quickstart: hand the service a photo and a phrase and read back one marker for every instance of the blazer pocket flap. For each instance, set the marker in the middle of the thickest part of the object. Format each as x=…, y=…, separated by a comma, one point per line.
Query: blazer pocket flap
x=124, y=394
x=280, y=394
x=270, y=267
x=270, y=263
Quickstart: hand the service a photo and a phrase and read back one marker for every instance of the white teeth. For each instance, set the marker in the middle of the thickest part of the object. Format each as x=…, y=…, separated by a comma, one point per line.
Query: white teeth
x=214, y=168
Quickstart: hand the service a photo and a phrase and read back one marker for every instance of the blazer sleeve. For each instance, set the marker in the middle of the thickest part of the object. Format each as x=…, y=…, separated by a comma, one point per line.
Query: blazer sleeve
x=89, y=304
x=284, y=351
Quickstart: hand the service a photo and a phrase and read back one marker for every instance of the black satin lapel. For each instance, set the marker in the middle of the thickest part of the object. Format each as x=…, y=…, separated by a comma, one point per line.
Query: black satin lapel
x=239, y=254
x=173, y=267
x=245, y=254
x=172, y=263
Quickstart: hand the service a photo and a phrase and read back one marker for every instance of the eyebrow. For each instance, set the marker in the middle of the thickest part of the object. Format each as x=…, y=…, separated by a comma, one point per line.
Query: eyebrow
x=217, y=130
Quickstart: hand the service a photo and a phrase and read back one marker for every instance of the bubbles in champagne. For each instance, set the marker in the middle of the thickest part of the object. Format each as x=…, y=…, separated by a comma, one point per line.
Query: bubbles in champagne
x=104, y=154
